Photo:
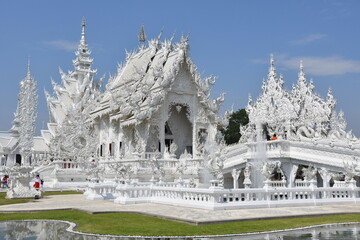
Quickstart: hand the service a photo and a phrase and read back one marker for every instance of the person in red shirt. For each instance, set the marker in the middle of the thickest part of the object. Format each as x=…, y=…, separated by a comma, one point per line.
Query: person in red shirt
x=5, y=181
x=274, y=137
x=37, y=182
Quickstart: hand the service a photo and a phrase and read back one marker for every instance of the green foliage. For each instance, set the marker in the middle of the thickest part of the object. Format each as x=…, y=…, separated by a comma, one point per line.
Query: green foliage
x=136, y=224
x=232, y=132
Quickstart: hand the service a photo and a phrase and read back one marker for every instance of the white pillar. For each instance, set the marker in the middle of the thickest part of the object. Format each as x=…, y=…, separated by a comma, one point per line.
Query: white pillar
x=324, y=173
x=235, y=174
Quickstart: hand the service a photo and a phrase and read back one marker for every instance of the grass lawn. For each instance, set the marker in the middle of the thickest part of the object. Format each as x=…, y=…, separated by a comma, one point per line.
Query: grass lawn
x=48, y=193
x=135, y=224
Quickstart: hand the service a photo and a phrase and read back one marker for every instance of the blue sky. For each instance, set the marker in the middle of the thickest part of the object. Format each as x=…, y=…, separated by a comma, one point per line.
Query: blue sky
x=229, y=39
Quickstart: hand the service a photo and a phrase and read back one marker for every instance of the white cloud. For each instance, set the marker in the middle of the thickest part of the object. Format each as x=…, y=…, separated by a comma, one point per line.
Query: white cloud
x=319, y=66
x=63, y=44
x=322, y=66
x=308, y=39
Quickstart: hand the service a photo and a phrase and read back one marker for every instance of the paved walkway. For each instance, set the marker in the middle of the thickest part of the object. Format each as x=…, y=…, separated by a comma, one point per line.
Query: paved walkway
x=192, y=215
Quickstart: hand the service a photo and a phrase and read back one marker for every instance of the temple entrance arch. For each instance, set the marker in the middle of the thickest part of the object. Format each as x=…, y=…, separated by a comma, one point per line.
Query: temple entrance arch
x=18, y=159
x=178, y=129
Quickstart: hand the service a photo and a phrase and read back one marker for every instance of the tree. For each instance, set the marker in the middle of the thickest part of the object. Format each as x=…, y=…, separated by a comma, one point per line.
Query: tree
x=232, y=132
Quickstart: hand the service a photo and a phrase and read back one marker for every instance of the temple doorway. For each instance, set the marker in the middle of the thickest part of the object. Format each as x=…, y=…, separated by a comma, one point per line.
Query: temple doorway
x=18, y=159
x=178, y=129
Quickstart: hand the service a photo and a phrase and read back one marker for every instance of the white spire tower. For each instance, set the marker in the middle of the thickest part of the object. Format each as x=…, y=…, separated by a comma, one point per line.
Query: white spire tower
x=70, y=105
x=83, y=62
x=25, y=117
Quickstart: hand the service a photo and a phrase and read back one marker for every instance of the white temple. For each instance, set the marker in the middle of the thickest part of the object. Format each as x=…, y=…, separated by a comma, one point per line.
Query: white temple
x=153, y=135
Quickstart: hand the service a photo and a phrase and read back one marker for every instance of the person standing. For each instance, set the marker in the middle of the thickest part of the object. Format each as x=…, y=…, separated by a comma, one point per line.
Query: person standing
x=274, y=137
x=37, y=182
x=5, y=181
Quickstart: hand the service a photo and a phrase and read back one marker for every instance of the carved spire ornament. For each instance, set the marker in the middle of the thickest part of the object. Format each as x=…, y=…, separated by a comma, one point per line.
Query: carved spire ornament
x=26, y=116
x=71, y=104
x=142, y=36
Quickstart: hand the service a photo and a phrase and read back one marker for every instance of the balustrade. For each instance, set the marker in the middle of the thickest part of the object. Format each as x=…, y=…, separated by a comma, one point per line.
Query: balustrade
x=174, y=193
x=301, y=183
x=269, y=146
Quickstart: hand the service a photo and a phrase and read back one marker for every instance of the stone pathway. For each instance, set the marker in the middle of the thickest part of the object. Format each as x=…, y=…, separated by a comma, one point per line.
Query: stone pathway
x=191, y=215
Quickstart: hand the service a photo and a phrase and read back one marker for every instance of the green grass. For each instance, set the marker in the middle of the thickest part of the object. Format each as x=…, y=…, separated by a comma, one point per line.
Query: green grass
x=135, y=224
x=49, y=193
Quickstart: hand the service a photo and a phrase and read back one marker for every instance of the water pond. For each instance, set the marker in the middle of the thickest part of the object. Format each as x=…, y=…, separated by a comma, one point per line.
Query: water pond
x=51, y=230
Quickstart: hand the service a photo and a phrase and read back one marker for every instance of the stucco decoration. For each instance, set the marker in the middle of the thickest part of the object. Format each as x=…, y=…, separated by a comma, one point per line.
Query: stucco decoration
x=299, y=114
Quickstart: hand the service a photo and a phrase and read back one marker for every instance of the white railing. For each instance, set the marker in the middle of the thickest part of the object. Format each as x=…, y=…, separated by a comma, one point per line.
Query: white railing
x=277, y=184
x=216, y=198
x=68, y=164
x=146, y=163
x=301, y=183
x=341, y=184
x=151, y=155
x=274, y=145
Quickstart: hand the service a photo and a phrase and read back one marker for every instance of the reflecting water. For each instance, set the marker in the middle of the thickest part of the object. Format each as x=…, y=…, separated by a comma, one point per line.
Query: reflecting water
x=54, y=230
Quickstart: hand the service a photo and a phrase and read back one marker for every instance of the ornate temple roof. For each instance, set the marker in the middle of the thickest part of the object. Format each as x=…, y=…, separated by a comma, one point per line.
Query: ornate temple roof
x=299, y=114
x=141, y=84
x=77, y=86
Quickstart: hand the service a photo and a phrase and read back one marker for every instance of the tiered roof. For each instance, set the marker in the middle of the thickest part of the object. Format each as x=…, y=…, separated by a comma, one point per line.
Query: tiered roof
x=142, y=83
x=77, y=88
x=294, y=114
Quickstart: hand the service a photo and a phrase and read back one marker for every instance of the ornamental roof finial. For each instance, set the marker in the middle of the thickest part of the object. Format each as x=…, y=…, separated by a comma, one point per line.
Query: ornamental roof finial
x=83, y=24
x=272, y=59
x=28, y=75
x=272, y=69
x=142, y=36
x=302, y=73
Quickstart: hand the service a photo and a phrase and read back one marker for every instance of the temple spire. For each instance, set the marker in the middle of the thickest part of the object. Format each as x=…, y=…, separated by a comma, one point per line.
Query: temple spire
x=272, y=59
x=302, y=77
x=83, y=24
x=142, y=35
x=82, y=63
x=28, y=75
x=272, y=70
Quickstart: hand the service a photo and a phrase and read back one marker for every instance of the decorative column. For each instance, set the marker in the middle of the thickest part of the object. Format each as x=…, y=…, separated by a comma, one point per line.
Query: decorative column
x=161, y=126
x=247, y=181
x=292, y=175
x=325, y=175
x=235, y=174
x=194, y=128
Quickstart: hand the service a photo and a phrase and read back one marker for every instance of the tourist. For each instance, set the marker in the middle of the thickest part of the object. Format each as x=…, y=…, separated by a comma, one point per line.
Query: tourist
x=274, y=137
x=37, y=182
x=5, y=181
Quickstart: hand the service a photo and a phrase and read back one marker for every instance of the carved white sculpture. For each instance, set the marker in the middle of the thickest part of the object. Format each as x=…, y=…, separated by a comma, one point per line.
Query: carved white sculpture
x=25, y=117
x=299, y=114
x=214, y=152
x=75, y=135
x=309, y=173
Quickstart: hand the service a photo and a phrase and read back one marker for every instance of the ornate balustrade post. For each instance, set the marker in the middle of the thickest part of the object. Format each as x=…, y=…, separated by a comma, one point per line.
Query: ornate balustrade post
x=313, y=186
x=352, y=186
x=235, y=174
